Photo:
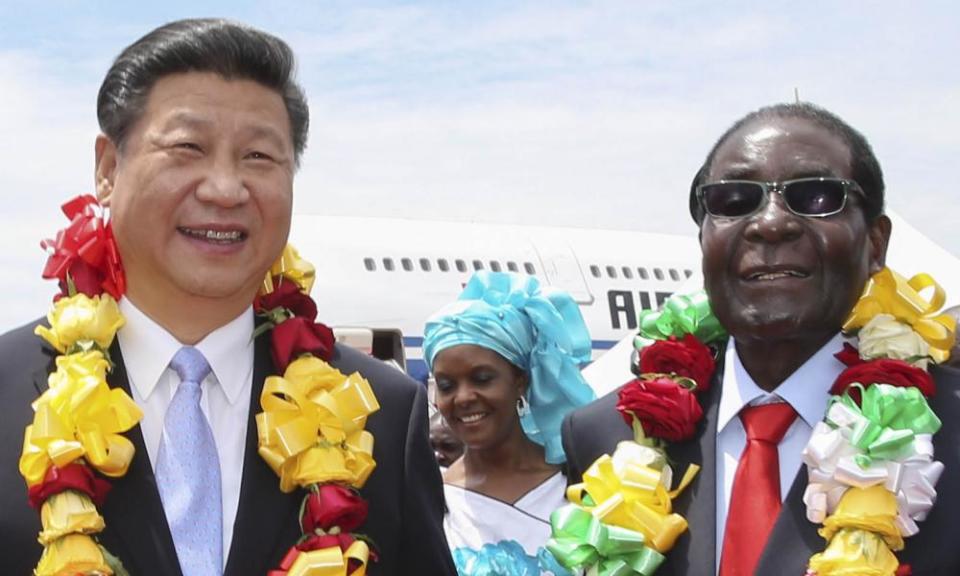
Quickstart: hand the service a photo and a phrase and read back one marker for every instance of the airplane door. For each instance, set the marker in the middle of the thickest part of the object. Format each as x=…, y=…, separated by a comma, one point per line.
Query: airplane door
x=561, y=269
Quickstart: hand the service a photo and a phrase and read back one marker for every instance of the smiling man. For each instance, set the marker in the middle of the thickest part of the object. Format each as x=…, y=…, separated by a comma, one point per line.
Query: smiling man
x=203, y=126
x=790, y=207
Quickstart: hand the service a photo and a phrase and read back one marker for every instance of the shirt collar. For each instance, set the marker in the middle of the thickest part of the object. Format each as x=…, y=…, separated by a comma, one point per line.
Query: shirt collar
x=807, y=390
x=148, y=348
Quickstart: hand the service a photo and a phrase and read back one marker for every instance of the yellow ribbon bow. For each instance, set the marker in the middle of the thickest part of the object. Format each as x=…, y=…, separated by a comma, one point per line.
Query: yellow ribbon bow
x=890, y=293
x=79, y=416
x=292, y=267
x=632, y=495
x=332, y=561
x=311, y=429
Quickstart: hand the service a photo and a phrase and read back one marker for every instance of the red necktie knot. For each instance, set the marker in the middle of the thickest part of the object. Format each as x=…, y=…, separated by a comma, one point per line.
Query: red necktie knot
x=768, y=422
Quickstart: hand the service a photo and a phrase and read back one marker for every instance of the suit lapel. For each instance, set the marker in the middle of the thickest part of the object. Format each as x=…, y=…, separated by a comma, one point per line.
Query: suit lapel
x=137, y=530
x=794, y=538
x=267, y=519
x=695, y=553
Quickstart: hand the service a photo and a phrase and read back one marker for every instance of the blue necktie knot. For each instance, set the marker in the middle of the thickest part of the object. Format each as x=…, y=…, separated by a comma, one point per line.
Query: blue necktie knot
x=190, y=365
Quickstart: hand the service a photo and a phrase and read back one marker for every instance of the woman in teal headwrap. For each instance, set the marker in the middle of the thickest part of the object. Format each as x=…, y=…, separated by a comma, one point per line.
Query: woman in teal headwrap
x=506, y=358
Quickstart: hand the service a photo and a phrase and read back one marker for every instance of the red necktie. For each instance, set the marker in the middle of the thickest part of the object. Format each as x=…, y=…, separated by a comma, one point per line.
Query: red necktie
x=755, y=498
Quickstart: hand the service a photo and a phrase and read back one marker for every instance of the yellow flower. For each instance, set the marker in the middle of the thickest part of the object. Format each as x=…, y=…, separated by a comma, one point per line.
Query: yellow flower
x=292, y=267
x=68, y=512
x=886, y=337
x=79, y=416
x=80, y=318
x=73, y=554
x=855, y=553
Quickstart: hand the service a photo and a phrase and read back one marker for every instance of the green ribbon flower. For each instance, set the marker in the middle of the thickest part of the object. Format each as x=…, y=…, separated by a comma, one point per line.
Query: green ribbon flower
x=681, y=314
x=887, y=420
x=580, y=540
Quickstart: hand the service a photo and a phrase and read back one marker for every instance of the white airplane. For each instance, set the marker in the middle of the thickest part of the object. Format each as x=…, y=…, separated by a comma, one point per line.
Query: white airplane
x=389, y=275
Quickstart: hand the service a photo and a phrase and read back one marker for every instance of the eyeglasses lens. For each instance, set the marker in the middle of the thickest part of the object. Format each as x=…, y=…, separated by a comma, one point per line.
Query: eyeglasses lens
x=815, y=197
x=732, y=199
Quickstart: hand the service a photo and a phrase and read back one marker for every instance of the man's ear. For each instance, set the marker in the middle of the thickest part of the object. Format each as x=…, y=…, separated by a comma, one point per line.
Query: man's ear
x=879, y=236
x=105, y=169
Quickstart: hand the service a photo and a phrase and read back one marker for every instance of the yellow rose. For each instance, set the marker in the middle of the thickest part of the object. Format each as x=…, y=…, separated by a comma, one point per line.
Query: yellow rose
x=885, y=337
x=73, y=554
x=855, y=552
x=80, y=318
x=68, y=512
x=79, y=416
x=292, y=267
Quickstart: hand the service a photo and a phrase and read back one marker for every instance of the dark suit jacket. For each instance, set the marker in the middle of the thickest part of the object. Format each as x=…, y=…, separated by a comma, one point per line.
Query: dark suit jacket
x=404, y=492
x=596, y=429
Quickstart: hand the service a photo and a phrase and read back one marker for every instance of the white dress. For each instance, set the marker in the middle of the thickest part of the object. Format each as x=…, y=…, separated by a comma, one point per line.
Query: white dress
x=491, y=537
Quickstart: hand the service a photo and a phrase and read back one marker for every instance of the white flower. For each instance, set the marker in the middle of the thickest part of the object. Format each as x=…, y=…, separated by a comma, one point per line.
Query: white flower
x=886, y=337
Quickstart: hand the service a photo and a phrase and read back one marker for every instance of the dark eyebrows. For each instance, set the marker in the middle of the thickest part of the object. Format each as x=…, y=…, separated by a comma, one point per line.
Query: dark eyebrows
x=256, y=130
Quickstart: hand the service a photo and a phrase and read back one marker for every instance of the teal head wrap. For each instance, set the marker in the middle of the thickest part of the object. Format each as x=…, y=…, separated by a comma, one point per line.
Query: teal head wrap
x=539, y=331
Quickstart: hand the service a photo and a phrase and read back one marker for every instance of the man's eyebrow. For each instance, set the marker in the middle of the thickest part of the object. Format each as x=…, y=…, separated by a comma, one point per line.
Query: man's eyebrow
x=188, y=119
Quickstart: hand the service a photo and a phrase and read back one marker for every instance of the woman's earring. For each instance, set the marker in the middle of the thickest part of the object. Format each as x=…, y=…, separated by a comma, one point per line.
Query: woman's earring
x=523, y=408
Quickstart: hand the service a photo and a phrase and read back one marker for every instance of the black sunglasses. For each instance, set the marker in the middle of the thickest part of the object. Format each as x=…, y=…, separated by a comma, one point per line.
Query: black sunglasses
x=811, y=197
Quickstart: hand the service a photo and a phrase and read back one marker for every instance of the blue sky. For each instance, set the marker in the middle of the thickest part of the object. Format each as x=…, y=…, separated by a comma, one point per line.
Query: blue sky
x=566, y=113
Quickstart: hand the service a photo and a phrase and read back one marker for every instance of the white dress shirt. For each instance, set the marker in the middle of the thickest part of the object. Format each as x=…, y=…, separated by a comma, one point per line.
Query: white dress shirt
x=147, y=350
x=807, y=390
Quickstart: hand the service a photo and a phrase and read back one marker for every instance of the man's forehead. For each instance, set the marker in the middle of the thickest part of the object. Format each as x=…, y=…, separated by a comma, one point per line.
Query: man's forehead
x=781, y=147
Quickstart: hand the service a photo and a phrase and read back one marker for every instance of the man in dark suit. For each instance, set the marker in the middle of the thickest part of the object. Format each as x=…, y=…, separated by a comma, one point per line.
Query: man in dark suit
x=782, y=269
x=203, y=127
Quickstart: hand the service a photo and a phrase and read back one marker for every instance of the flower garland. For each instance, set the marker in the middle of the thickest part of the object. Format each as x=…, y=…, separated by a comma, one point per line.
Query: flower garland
x=620, y=518
x=311, y=431
x=78, y=425
x=870, y=461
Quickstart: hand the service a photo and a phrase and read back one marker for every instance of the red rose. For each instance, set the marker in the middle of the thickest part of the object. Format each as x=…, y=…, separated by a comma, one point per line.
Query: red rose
x=688, y=357
x=884, y=371
x=287, y=295
x=86, y=251
x=850, y=356
x=297, y=336
x=666, y=410
x=71, y=477
x=333, y=505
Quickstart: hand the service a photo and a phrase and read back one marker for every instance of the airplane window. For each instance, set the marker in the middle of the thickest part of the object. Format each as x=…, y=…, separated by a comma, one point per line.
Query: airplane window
x=425, y=264
x=461, y=265
x=443, y=265
x=388, y=264
x=370, y=264
x=658, y=273
x=688, y=273
x=611, y=272
x=528, y=267
x=674, y=275
x=512, y=266
x=477, y=265
x=494, y=265
x=627, y=272
x=407, y=264
x=595, y=270
x=643, y=273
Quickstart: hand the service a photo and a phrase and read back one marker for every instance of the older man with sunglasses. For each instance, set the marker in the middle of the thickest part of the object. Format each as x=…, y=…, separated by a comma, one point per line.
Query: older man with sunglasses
x=790, y=207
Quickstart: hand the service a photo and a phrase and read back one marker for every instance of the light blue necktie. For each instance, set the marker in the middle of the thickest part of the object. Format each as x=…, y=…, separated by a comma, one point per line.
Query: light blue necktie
x=188, y=472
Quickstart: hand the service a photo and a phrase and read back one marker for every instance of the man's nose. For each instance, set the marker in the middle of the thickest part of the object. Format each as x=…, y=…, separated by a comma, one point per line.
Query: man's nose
x=223, y=184
x=774, y=222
